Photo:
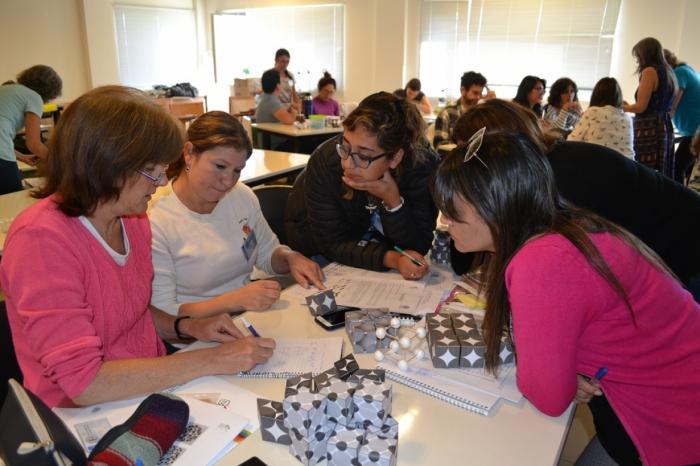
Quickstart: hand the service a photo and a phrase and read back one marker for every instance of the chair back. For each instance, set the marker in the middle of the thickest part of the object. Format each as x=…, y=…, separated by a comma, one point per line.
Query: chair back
x=273, y=202
x=9, y=368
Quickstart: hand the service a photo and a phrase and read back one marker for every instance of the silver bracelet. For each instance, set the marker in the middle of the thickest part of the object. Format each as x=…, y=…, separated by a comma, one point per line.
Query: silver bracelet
x=395, y=209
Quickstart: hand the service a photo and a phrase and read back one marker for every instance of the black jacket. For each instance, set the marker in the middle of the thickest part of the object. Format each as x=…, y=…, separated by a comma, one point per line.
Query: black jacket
x=319, y=221
x=662, y=213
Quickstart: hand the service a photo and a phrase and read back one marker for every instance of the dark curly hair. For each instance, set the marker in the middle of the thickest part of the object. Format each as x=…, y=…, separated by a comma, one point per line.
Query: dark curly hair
x=43, y=80
x=561, y=86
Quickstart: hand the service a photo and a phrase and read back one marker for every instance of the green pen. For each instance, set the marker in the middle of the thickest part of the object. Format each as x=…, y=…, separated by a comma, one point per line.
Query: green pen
x=413, y=259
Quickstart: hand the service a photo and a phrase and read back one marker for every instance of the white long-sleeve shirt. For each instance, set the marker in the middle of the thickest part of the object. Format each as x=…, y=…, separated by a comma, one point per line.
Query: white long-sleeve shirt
x=607, y=126
x=200, y=256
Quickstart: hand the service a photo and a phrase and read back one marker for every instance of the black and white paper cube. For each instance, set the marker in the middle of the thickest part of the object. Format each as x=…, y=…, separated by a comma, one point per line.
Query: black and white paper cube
x=346, y=366
x=310, y=449
x=390, y=429
x=372, y=404
x=377, y=451
x=272, y=425
x=305, y=412
x=325, y=378
x=339, y=404
x=322, y=303
x=343, y=445
x=300, y=383
x=360, y=375
x=444, y=348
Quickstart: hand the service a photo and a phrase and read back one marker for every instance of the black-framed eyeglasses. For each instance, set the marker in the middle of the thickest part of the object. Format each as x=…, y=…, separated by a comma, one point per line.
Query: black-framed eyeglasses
x=360, y=160
x=473, y=146
x=156, y=180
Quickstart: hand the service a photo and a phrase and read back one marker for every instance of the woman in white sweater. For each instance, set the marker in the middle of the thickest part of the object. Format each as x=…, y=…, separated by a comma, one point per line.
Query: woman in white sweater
x=209, y=232
x=605, y=123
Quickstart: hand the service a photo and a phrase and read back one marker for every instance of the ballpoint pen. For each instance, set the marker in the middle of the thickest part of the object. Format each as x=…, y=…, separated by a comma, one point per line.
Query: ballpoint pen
x=413, y=259
x=599, y=375
x=250, y=327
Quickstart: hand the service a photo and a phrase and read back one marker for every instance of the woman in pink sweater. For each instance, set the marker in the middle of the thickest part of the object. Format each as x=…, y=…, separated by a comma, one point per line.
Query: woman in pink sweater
x=77, y=271
x=577, y=293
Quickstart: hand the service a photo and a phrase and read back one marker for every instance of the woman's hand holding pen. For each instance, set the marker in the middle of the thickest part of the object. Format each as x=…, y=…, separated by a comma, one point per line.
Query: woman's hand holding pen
x=588, y=388
x=407, y=267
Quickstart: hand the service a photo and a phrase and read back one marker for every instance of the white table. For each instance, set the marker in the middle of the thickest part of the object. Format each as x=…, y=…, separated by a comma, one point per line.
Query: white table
x=298, y=136
x=268, y=165
x=10, y=207
x=431, y=432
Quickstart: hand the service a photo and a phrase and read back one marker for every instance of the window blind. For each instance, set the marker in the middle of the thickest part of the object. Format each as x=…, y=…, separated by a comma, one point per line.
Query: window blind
x=506, y=40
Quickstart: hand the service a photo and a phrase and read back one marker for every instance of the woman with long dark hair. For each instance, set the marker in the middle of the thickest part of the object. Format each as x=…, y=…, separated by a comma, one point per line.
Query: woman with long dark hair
x=653, y=130
x=366, y=191
x=576, y=293
x=530, y=94
x=563, y=111
x=288, y=93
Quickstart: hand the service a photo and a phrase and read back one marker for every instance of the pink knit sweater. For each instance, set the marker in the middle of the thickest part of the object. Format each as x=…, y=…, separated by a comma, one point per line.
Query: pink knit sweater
x=567, y=319
x=70, y=305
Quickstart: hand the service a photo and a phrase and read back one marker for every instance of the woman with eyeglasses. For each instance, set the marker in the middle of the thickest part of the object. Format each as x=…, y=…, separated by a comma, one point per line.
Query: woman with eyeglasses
x=530, y=94
x=576, y=293
x=209, y=232
x=367, y=191
x=76, y=269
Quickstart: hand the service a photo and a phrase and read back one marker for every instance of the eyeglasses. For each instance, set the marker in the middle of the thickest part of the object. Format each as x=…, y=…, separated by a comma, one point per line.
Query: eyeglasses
x=473, y=146
x=360, y=161
x=156, y=180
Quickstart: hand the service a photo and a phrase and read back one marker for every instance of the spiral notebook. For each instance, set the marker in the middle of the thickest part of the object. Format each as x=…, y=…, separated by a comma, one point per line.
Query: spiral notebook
x=456, y=392
x=296, y=356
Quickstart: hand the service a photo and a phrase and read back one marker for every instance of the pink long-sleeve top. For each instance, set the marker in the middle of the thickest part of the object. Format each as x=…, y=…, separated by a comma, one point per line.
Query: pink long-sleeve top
x=70, y=305
x=568, y=319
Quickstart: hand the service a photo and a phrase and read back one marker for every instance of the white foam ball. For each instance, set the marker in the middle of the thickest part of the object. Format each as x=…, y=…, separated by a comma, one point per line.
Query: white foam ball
x=394, y=346
x=395, y=322
x=378, y=356
x=405, y=342
x=420, y=354
x=403, y=365
x=380, y=332
x=421, y=332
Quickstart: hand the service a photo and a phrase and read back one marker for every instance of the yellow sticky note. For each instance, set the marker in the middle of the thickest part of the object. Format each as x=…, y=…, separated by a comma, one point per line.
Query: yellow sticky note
x=470, y=300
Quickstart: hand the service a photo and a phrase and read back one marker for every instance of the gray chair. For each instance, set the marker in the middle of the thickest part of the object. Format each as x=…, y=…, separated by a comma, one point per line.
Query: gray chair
x=273, y=202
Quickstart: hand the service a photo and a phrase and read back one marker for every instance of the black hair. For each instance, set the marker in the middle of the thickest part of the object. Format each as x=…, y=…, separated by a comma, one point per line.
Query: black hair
x=270, y=79
x=606, y=92
x=561, y=86
x=526, y=86
x=472, y=78
x=326, y=80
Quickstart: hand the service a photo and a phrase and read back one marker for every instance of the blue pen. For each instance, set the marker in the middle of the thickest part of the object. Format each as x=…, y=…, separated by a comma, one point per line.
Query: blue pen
x=250, y=327
x=413, y=259
x=599, y=375
x=138, y=462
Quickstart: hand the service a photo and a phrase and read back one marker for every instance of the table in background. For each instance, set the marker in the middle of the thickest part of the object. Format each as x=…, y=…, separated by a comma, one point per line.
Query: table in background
x=431, y=432
x=300, y=138
x=264, y=166
x=10, y=207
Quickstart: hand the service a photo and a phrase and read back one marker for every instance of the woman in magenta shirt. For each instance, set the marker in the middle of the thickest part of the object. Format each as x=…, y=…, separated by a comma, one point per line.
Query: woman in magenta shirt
x=323, y=103
x=76, y=269
x=577, y=293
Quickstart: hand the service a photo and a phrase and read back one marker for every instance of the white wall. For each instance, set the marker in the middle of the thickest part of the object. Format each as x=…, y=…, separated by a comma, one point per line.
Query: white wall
x=51, y=33
x=381, y=38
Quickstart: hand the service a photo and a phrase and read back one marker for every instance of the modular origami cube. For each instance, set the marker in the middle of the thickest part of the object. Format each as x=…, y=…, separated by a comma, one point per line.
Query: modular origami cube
x=325, y=378
x=361, y=375
x=272, y=425
x=377, y=451
x=344, y=444
x=339, y=404
x=361, y=327
x=310, y=449
x=345, y=366
x=470, y=349
x=305, y=412
x=300, y=383
x=322, y=303
x=372, y=402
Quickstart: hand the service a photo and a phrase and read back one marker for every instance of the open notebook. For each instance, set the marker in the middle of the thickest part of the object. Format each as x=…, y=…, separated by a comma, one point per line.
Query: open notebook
x=467, y=389
x=293, y=356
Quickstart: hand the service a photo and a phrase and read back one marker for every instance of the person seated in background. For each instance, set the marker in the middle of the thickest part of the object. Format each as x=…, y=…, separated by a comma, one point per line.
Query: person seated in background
x=662, y=213
x=604, y=122
x=576, y=293
x=471, y=90
x=367, y=191
x=270, y=109
x=21, y=106
x=76, y=269
x=323, y=103
x=530, y=94
x=685, y=114
x=562, y=111
x=209, y=232
x=413, y=94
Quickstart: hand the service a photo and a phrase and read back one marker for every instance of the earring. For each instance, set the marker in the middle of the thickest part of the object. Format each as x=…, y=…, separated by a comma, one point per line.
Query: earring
x=187, y=168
